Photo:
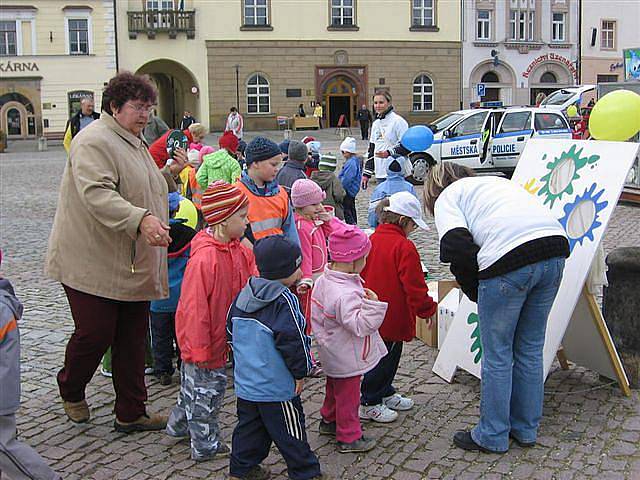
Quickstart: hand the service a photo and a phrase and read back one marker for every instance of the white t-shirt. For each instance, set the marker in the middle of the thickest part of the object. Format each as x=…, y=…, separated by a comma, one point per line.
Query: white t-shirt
x=385, y=134
x=499, y=214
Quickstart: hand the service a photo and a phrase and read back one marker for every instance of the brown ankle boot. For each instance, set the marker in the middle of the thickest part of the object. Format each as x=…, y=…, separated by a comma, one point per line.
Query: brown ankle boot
x=78, y=412
x=145, y=423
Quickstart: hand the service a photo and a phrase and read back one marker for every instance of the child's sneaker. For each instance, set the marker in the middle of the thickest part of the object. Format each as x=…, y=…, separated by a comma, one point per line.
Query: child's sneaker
x=105, y=373
x=398, y=402
x=256, y=473
x=223, y=451
x=378, y=413
x=363, y=444
x=165, y=379
x=327, y=428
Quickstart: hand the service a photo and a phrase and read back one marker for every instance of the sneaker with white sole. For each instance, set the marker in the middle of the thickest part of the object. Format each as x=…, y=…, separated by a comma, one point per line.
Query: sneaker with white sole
x=398, y=402
x=378, y=413
x=105, y=373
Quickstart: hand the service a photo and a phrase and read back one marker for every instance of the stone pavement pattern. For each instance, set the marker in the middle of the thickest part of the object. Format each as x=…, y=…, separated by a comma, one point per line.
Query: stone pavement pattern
x=589, y=429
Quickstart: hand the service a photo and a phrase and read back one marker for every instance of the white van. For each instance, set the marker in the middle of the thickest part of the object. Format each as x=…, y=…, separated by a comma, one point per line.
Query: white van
x=577, y=95
x=487, y=140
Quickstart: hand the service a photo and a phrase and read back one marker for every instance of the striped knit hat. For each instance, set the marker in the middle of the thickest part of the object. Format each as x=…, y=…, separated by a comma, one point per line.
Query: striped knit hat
x=221, y=200
x=328, y=163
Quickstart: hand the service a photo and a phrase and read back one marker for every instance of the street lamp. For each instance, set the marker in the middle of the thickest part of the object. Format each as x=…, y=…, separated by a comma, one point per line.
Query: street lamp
x=237, y=67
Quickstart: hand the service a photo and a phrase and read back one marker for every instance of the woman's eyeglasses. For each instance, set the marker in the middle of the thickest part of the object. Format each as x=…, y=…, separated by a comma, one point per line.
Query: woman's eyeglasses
x=141, y=108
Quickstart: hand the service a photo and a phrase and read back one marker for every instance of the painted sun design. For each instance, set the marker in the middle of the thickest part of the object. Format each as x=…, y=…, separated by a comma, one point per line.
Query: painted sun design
x=581, y=216
x=562, y=172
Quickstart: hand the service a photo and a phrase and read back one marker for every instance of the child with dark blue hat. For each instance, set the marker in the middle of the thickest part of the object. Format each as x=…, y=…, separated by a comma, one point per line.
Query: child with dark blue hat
x=272, y=355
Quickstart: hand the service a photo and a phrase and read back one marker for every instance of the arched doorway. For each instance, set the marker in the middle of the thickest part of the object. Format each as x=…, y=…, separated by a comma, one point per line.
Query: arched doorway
x=547, y=78
x=176, y=86
x=340, y=96
x=492, y=94
x=17, y=116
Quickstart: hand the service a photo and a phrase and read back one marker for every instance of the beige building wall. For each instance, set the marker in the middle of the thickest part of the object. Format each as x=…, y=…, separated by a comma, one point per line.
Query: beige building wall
x=44, y=71
x=297, y=39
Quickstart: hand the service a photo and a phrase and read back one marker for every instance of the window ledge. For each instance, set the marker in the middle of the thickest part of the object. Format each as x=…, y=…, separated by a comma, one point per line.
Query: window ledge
x=265, y=115
x=560, y=45
x=424, y=28
x=485, y=43
x=343, y=28
x=420, y=112
x=256, y=28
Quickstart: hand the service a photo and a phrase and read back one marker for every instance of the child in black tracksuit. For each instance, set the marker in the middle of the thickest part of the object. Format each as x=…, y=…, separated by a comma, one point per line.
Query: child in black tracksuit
x=272, y=355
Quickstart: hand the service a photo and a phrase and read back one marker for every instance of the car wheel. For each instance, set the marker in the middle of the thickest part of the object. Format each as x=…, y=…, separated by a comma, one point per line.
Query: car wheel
x=421, y=164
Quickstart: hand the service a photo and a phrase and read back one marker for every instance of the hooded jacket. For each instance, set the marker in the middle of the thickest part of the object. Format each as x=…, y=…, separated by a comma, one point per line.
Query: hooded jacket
x=289, y=173
x=215, y=273
x=395, y=183
x=219, y=165
x=270, y=349
x=394, y=272
x=177, y=256
x=345, y=325
x=313, y=243
x=10, y=313
x=351, y=175
x=270, y=212
x=333, y=188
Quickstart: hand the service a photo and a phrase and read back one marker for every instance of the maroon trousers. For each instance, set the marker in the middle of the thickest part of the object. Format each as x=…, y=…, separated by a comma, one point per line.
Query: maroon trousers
x=101, y=323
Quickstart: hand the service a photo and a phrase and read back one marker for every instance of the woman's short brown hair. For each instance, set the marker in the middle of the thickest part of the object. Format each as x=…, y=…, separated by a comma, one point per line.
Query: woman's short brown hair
x=383, y=93
x=440, y=176
x=391, y=217
x=126, y=86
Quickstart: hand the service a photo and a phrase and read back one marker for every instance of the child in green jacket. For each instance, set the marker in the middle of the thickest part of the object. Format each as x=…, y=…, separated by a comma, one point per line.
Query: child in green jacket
x=220, y=165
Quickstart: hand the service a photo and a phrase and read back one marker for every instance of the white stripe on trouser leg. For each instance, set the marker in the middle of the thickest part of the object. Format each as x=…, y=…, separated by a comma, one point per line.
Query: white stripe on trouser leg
x=296, y=427
x=285, y=415
x=292, y=413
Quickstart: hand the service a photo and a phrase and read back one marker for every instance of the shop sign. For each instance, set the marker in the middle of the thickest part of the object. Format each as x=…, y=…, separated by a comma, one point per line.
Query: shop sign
x=18, y=67
x=553, y=57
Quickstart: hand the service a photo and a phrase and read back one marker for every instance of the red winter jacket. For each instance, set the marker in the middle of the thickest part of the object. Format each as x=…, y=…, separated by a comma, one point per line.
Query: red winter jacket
x=394, y=272
x=215, y=274
x=158, y=149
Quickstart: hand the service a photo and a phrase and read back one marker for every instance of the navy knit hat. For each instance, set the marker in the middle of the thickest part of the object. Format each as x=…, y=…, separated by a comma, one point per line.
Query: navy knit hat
x=277, y=257
x=259, y=149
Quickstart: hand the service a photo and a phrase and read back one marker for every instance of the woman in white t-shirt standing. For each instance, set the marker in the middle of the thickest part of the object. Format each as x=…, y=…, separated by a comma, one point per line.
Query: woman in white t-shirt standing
x=507, y=252
x=386, y=132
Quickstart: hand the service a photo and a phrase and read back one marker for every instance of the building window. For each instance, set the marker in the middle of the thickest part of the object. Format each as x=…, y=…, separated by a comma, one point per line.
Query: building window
x=422, y=13
x=258, y=100
x=490, y=77
x=521, y=25
x=608, y=78
x=8, y=38
x=78, y=36
x=608, y=35
x=160, y=5
x=256, y=13
x=548, y=77
x=422, y=94
x=484, y=25
x=342, y=13
x=558, y=27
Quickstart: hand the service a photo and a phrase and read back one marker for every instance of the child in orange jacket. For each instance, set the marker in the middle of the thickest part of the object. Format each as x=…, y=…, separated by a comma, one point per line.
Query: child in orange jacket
x=216, y=272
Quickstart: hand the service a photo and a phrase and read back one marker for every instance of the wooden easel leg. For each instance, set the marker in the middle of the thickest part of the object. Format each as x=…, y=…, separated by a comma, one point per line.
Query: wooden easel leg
x=562, y=358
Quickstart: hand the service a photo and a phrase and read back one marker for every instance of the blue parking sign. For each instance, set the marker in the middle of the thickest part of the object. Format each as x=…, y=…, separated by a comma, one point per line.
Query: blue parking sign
x=481, y=89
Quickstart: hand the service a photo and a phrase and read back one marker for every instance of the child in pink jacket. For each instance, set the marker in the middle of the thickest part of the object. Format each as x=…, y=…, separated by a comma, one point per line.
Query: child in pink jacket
x=346, y=317
x=314, y=224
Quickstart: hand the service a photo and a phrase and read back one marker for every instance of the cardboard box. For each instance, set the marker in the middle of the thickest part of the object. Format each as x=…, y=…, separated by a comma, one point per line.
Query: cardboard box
x=437, y=290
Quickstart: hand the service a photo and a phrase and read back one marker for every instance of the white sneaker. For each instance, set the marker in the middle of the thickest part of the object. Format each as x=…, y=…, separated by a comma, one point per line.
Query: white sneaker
x=105, y=373
x=398, y=402
x=378, y=413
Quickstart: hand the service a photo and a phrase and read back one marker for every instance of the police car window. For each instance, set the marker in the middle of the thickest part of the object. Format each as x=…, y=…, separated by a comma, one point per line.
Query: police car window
x=515, y=122
x=470, y=125
x=443, y=122
x=558, y=97
x=549, y=121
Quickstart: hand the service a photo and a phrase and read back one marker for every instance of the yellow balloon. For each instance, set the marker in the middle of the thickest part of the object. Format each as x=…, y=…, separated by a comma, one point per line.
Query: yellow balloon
x=188, y=211
x=572, y=111
x=616, y=116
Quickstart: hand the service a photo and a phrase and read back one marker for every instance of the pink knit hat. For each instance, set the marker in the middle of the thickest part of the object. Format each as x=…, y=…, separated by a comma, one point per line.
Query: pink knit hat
x=306, y=192
x=348, y=244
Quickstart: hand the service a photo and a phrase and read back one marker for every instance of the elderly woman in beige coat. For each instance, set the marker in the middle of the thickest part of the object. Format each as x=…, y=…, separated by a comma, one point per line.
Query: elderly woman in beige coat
x=108, y=249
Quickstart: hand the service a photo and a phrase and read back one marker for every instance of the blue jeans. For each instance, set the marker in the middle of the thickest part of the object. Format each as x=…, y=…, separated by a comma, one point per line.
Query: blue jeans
x=513, y=310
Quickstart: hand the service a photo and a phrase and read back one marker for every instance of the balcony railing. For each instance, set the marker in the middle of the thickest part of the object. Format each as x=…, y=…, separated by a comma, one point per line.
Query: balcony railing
x=152, y=22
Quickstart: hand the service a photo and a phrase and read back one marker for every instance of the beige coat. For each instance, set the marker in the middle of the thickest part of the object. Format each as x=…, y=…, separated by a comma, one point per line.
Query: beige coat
x=109, y=183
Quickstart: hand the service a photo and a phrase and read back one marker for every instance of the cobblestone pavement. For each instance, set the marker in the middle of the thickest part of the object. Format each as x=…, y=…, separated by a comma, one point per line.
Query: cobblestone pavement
x=589, y=429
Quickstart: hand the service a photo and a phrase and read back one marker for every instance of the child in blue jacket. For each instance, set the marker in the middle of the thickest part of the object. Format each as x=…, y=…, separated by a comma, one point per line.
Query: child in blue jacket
x=394, y=183
x=163, y=312
x=272, y=355
x=350, y=176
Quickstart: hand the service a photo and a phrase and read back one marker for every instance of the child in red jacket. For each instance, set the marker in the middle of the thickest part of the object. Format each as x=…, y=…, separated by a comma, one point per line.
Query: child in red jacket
x=394, y=272
x=216, y=272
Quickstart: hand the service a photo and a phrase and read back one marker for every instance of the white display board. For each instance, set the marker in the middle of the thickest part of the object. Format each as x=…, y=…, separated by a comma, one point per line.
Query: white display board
x=580, y=183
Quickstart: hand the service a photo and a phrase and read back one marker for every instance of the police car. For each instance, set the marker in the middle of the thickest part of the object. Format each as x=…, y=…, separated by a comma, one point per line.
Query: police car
x=487, y=140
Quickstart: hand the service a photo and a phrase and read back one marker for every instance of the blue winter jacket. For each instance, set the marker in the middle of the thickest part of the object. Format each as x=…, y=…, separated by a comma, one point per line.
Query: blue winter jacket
x=270, y=349
x=394, y=183
x=270, y=189
x=351, y=175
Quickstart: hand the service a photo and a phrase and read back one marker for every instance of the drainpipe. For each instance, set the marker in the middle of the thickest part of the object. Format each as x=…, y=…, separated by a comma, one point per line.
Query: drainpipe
x=579, y=56
x=115, y=32
x=461, y=54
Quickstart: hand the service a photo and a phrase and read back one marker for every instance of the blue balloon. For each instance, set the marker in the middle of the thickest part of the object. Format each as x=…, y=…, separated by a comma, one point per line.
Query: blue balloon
x=417, y=138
